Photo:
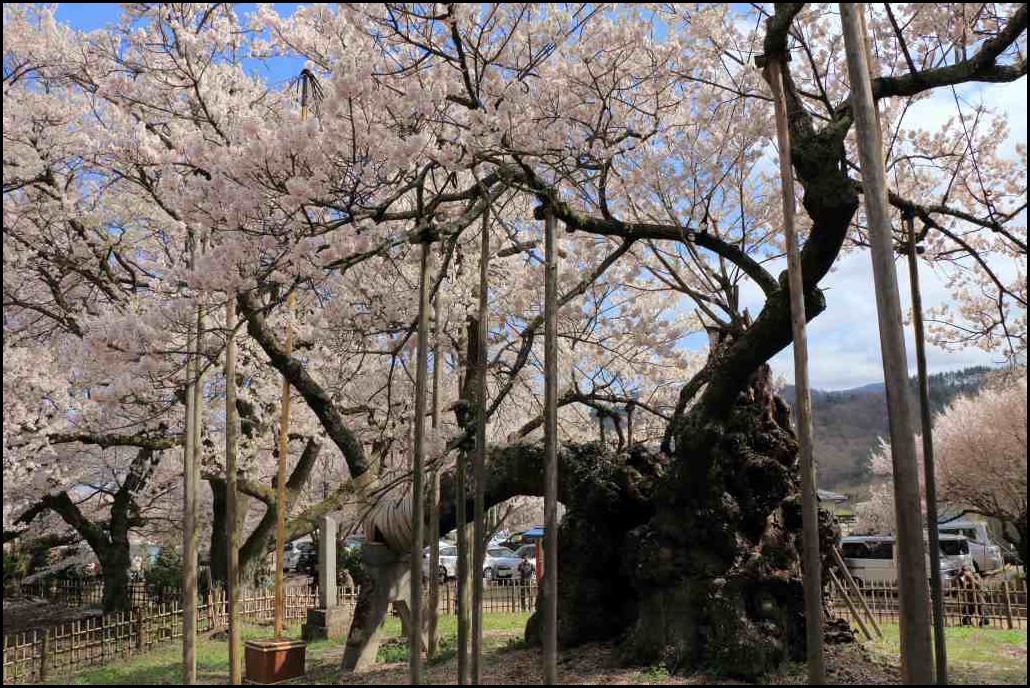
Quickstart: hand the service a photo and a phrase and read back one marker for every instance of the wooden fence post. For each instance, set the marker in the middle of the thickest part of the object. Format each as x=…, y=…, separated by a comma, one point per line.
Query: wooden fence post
x=140, y=630
x=1008, y=604
x=44, y=650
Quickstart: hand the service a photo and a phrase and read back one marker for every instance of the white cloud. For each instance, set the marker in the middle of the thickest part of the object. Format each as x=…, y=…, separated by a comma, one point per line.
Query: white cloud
x=844, y=341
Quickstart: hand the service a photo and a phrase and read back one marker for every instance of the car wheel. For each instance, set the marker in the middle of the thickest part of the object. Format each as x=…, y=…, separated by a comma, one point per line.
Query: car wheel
x=441, y=574
x=488, y=573
x=976, y=567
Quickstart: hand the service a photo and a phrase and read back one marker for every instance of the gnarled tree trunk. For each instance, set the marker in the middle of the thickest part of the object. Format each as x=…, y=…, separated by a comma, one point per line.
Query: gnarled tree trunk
x=693, y=560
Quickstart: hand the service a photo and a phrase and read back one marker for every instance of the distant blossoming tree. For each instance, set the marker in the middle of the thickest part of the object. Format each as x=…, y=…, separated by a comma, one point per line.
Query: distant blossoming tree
x=980, y=448
x=981, y=455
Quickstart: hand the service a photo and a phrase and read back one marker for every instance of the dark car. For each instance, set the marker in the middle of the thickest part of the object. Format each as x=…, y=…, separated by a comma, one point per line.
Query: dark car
x=306, y=557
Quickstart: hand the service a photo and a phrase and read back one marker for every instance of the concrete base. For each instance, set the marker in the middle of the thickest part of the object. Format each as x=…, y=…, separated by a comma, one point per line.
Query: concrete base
x=324, y=624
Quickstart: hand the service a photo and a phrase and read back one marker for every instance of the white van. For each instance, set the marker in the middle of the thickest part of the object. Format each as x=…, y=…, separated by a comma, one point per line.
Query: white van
x=955, y=550
x=873, y=559
x=986, y=555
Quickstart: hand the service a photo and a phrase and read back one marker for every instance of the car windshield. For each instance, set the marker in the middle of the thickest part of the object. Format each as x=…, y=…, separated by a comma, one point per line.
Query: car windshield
x=448, y=551
x=500, y=552
x=954, y=548
x=868, y=549
x=970, y=533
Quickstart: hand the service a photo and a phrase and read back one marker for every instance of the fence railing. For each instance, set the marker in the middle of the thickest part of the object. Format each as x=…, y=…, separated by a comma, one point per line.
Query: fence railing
x=90, y=591
x=37, y=655
x=996, y=605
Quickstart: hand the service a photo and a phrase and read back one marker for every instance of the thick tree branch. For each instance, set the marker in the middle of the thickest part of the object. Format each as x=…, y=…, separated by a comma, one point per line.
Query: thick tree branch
x=141, y=440
x=314, y=395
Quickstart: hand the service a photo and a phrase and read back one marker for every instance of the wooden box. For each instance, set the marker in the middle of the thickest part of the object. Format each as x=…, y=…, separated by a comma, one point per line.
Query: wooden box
x=272, y=661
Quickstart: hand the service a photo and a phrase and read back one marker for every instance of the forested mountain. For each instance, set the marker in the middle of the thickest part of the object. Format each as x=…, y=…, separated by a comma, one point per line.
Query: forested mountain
x=847, y=423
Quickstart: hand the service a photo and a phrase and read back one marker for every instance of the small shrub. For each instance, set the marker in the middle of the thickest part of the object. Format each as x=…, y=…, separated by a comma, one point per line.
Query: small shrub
x=446, y=649
x=656, y=673
x=166, y=569
x=393, y=650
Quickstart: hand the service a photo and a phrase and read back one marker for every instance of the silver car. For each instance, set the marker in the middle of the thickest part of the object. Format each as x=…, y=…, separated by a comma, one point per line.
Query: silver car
x=874, y=559
x=955, y=551
x=501, y=563
x=449, y=562
x=986, y=555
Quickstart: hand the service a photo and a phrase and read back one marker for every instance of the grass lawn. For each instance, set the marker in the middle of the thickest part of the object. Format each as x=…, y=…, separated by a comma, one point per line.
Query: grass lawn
x=164, y=665
x=975, y=655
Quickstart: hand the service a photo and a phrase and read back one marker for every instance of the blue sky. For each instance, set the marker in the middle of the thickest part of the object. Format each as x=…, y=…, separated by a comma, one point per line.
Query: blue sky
x=844, y=346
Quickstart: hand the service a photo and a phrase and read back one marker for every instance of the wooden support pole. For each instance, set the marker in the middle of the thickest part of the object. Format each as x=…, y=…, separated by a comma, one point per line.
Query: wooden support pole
x=417, y=469
x=462, y=592
x=550, y=452
x=189, y=523
x=916, y=650
x=479, y=458
x=231, y=515
x=812, y=567
x=280, y=502
x=850, y=580
x=929, y=468
x=434, y=498
x=851, y=606
x=1008, y=603
x=306, y=81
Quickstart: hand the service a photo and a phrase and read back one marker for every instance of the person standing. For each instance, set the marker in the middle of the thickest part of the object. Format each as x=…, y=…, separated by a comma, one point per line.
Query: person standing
x=525, y=570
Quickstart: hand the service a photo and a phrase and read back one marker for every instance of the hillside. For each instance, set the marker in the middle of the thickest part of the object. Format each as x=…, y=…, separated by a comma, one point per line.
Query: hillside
x=847, y=423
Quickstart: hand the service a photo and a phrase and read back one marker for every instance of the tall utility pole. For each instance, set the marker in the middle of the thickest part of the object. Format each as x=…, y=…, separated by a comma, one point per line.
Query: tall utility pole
x=809, y=501
x=550, y=452
x=417, y=470
x=929, y=469
x=231, y=516
x=479, y=458
x=916, y=651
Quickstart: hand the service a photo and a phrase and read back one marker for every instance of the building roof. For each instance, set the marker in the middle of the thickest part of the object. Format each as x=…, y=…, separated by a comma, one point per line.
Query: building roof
x=827, y=496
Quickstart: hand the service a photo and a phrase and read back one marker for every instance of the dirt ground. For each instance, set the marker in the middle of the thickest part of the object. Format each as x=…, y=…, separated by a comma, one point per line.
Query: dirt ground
x=29, y=613
x=596, y=664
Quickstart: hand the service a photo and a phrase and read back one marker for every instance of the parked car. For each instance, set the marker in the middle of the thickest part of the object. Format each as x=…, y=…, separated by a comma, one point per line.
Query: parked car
x=526, y=537
x=448, y=561
x=496, y=556
x=527, y=551
x=955, y=550
x=354, y=541
x=873, y=559
x=294, y=551
x=307, y=560
x=986, y=555
x=501, y=563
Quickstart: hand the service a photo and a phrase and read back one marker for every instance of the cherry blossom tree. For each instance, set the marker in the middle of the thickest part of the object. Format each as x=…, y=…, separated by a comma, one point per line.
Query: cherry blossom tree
x=981, y=452
x=150, y=171
x=980, y=449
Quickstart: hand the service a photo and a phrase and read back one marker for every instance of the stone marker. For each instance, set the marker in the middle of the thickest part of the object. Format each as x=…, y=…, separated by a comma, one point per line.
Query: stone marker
x=329, y=620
